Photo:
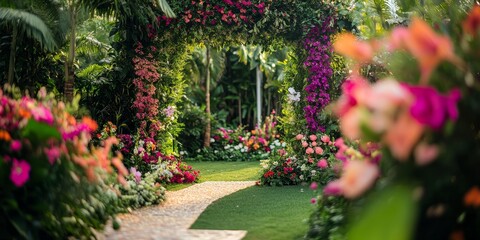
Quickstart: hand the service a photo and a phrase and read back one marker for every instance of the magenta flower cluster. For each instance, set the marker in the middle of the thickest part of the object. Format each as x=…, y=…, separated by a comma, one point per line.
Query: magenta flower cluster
x=318, y=46
x=431, y=108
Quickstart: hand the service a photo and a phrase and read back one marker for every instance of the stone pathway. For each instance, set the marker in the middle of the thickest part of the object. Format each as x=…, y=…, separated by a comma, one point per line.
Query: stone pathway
x=171, y=220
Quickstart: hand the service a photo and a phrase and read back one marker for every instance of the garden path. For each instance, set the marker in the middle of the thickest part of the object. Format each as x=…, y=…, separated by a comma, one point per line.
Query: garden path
x=171, y=220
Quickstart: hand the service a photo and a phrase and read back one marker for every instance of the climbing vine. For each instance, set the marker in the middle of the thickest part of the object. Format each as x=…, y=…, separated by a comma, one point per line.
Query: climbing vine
x=305, y=25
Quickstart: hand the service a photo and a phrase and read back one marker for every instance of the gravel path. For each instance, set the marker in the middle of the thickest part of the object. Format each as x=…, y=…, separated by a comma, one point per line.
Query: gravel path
x=171, y=220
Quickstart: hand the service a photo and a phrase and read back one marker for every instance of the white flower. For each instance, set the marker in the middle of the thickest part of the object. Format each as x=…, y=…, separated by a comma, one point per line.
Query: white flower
x=314, y=172
x=216, y=151
x=212, y=140
x=275, y=163
x=198, y=150
x=284, y=144
x=301, y=178
x=303, y=167
x=293, y=95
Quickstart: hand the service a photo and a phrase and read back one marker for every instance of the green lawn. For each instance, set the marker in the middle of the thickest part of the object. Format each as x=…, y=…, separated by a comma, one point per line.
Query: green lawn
x=227, y=171
x=222, y=171
x=273, y=213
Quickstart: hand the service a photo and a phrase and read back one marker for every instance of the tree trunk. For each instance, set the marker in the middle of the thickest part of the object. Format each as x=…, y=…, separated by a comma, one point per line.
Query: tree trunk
x=240, y=109
x=259, y=96
x=269, y=102
x=13, y=49
x=69, y=71
x=206, y=139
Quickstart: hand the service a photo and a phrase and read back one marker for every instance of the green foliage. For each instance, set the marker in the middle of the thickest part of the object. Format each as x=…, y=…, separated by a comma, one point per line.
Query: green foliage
x=33, y=25
x=393, y=209
x=292, y=118
x=193, y=119
x=145, y=192
x=328, y=221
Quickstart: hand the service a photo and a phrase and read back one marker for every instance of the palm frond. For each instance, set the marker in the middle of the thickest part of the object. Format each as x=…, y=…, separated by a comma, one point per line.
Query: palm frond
x=166, y=8
x=89, y=45
x=392, y=8
x=30, y=24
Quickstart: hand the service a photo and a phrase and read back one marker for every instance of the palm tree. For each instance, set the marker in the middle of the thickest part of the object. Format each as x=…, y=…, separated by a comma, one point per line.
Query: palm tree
x=205, y=67
x=264, y=63
x=34, y=19
x=107, y=8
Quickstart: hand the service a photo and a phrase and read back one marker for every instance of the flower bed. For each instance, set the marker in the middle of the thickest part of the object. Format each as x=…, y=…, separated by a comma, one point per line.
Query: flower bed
x=240, y=145
x=52, y=184
x=312, y=159
x=143, y=157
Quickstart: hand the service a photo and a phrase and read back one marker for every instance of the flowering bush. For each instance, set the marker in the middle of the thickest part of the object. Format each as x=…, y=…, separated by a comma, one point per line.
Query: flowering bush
x=143, y=190
x=51, y=181
x=144, y=156
x=313, y=161
x=427, y=124
x=240, y=145
x=317, y=43
x=279, y=170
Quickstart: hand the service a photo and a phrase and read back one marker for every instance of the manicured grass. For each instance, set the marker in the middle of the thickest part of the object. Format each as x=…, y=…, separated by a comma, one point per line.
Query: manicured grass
x=274, y=213
x=227, y=171
x=222, y=171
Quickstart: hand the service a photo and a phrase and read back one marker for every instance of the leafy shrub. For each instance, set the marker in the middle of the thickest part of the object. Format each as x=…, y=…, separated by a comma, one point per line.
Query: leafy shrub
x=329, y=219
x=142, y=192
x=194, y=121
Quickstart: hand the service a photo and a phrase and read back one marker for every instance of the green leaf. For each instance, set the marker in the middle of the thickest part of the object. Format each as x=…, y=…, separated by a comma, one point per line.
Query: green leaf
x=166, y=9
x=389, y=215
x=40, y=131
x=21, y=226
x=30, y=24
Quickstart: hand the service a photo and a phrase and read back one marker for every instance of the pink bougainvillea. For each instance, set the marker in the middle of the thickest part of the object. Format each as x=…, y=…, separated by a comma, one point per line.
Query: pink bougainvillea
x=145, y=104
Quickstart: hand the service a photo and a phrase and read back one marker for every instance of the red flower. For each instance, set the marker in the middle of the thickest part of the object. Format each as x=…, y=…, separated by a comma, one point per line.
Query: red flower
x=268, y=174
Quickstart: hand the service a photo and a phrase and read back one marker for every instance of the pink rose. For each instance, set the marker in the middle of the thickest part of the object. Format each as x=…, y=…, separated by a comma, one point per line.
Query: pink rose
x=313, y=138
x=314, y=186
x=313, y=200
x=299, y=137
x=318, y=150
x=309, y=150
x=314, y=144
x=322, y=163
x=325, y=139
x=304, y=144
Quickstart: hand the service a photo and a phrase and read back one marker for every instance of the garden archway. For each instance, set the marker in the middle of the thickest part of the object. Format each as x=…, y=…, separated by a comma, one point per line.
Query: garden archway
x=160, y=48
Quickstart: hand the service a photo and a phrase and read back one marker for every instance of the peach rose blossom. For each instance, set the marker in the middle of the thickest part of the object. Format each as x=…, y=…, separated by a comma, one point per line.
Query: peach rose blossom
x=309, y=150
x=299, y=137
x=318, y=150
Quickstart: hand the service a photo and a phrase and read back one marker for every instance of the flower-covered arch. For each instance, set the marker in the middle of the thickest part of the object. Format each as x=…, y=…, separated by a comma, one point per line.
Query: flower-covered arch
x=160, y=47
